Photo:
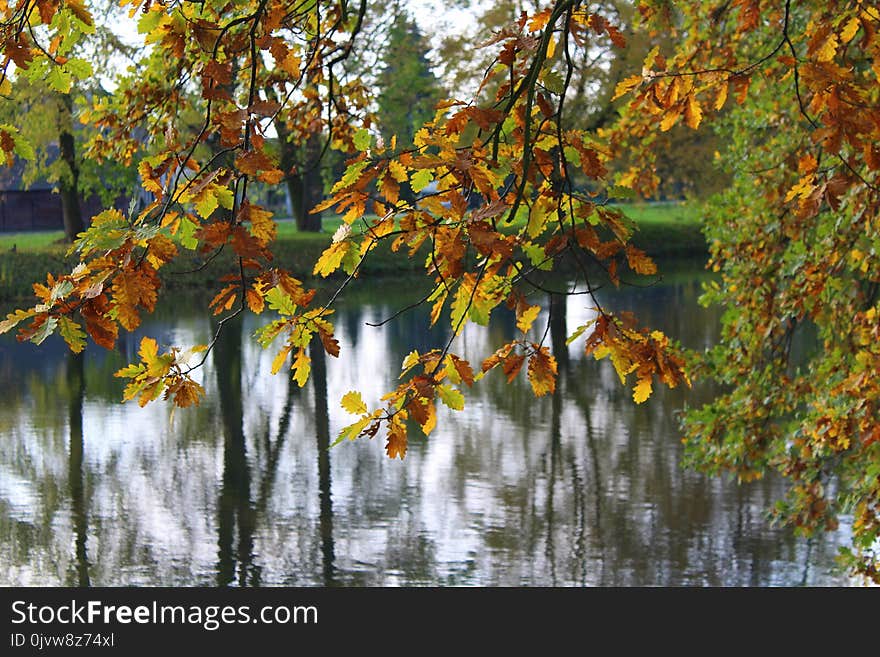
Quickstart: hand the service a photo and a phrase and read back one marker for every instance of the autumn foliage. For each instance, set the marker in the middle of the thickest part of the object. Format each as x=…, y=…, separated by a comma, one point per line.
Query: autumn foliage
x=796, y=241
x=505, y=189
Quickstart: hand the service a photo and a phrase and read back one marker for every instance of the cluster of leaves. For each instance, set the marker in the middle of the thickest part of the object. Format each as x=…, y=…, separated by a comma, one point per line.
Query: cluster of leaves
x=496, y=206
x=796, y=241
x=37, y=39
x=503, y=189
x=496, y=202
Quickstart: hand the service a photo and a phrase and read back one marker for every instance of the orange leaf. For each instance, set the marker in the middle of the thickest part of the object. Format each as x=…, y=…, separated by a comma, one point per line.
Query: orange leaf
x=331, y=344
x=542, y=372
x=255, y=301
x=102, y=329
x=396, y=446
x=639, y=262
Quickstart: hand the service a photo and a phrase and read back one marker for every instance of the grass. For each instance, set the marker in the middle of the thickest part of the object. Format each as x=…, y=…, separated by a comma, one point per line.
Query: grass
x=33, y=241
x=673, y=213
x=644, y=214
x=667, y=230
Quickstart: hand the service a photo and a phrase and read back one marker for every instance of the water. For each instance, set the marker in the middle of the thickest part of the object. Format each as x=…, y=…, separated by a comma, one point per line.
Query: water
x=581, y=488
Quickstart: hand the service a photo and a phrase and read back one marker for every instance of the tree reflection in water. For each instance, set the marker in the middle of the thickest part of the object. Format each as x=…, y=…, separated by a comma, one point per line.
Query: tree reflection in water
x=578, y=488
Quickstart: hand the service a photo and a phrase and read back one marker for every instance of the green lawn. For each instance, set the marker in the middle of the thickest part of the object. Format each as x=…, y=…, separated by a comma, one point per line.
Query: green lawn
x=32, y=241
x=649, y=215
x=675, y=213
x=669, y=230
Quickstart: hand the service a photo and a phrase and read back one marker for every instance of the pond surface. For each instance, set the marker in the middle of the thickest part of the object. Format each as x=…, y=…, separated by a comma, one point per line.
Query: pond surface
x=581, y=488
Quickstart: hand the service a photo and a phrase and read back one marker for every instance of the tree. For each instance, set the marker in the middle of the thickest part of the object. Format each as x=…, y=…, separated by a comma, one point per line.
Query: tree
x=795, y=241
x=408, y=88
x=800, y=251
x=43, y=102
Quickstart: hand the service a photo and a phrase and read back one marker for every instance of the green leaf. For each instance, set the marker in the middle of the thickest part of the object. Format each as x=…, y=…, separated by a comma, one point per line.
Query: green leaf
x=280, y=301
x=362, y=139
x=351, y=175
x=73, y=334
x=149, y=22
x=46, y=329
x=131, y=371
x=23, y=148
x=79, y=68
x=351, y=259
x=60, y=290
x=552, y=81
x=266, y=334
x=451, y=397
x=421, y=179
x=537, y=256
x=578, y=332
x=186, y=234
x=59, y=79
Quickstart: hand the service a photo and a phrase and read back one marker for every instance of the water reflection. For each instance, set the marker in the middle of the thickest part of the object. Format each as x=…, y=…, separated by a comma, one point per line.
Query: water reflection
x=76, y=390
x=235, y=559
x=580, y=488
x=322, y=433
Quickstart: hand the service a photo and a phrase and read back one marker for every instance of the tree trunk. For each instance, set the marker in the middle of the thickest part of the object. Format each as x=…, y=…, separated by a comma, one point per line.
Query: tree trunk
x=303, y=180
x=302, y=174
x=558, y=329
x=76, y=392
x=68, y=184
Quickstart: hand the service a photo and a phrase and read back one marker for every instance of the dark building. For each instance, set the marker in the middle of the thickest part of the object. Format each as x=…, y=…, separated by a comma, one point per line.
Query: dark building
x=36, y=208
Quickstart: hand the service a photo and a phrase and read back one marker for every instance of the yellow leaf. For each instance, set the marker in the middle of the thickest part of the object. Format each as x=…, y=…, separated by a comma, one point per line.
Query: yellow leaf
x=693, y=114
x=525, y=319
x=626, y=85
x=850, y=29
x=437, y=308
x=721, y=98
x=670, y=119
x=353, y=430
x=398, y=171
x=148, y=351
x=411, y=359
x=263, y=227
x=280, y=358
x=828, y=50
x=353, y=403
x=331, y=259
x=802, y=189
x=539, y=20
x=543, y=211
x=206, y=203
x=642, y=390
x=301, y=367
